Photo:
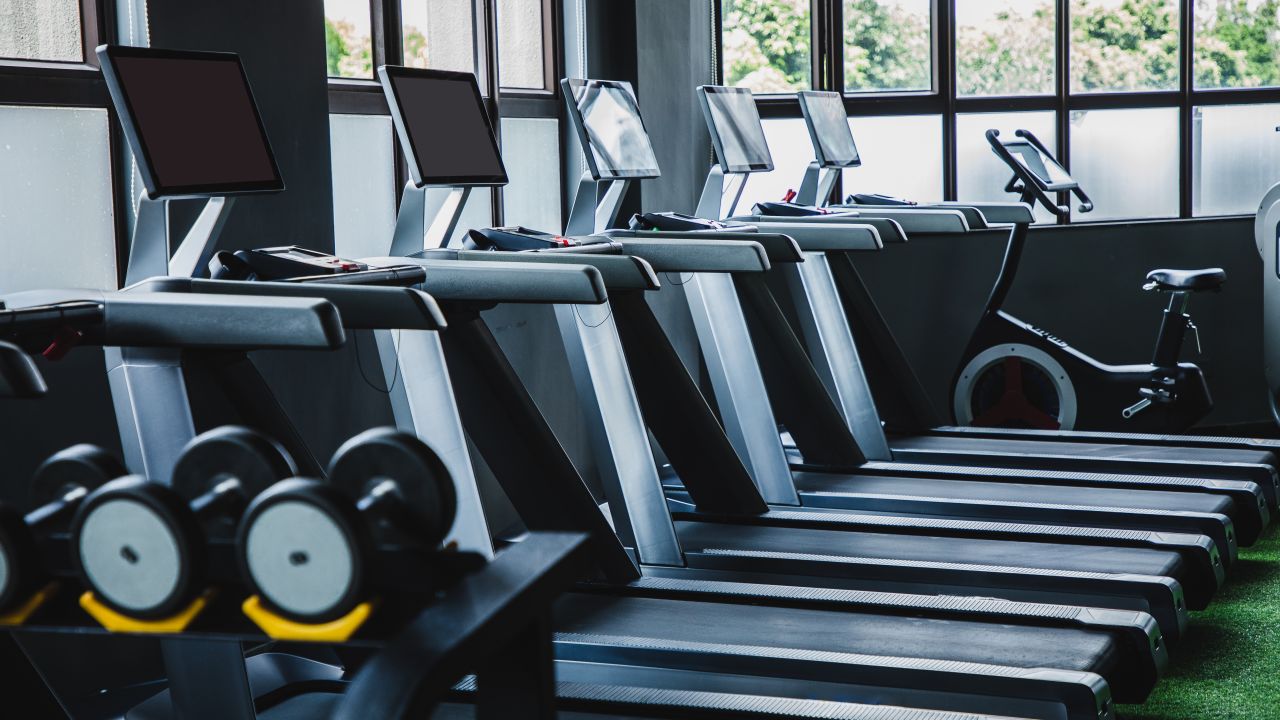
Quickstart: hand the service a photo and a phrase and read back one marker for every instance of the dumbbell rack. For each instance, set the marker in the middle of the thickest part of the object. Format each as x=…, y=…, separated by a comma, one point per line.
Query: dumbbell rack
x=490, y=620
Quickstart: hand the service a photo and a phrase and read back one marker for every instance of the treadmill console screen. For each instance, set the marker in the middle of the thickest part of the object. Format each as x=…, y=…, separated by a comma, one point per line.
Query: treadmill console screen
x=443, y=126
x=1047, y=170
x=191, y=120
x=829, y=129
x=736, y=132
x=605, y=114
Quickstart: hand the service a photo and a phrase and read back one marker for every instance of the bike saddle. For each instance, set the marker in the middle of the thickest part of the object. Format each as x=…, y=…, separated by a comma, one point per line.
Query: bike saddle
x=1186, y=280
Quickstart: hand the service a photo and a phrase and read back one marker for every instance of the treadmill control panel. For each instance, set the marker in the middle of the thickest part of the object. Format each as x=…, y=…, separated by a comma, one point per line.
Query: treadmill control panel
x=277, y=263
x=877, y=199
x=523, y=239
x=678, y=222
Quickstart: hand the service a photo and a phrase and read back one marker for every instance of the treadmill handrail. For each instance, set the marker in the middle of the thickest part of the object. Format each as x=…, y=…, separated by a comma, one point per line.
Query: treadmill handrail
x=361, y=307
x=694, y=252
x=819, y=233
x=620, y=272
x=220, y=322
x=779, y=248
x=505, y=281
x=19, y=376
x=186, y=320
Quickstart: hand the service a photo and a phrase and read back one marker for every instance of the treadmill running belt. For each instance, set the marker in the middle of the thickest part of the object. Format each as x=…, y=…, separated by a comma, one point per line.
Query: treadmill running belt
x=697, y=536
x=817, y=630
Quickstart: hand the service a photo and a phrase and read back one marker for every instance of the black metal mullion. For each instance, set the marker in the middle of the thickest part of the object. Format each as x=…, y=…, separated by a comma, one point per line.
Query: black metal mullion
x=488, y=39
x=1062, y=83
x=1186, y=83
x=835, y=54
x=944, y=57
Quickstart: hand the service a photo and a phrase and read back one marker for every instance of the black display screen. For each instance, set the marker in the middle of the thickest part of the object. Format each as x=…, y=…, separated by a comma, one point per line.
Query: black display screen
x=829, y=129
x=736, y=132
x=444, y=127
x=608, y=121
x=1047, y=170
x=191, y=120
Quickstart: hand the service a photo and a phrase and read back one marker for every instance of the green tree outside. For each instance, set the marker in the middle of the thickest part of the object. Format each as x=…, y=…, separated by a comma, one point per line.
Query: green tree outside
x=1127, y=46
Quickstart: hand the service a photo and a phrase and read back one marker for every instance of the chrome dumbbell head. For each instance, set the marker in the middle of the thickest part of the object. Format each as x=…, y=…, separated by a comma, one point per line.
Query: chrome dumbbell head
x=143, y=546
x=58, y=487
x=306, y=546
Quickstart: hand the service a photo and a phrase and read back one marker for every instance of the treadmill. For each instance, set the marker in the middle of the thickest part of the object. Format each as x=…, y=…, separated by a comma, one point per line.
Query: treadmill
x=924, y=440
x=815, y=297
x=737, y=652
x=713, y=475
x=750, y=417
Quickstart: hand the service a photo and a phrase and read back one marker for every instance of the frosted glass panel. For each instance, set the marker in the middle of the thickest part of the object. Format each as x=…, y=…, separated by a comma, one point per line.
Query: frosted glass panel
x=1237, y=157
x=531, y=149
x=980, y=175
x=56, y=220
x=520, y=44
x=900, y=156
x=439, y=34
x=792, y=152
x=364, y=192
x=40, y=30
x=477, y=214
x=1127, y=161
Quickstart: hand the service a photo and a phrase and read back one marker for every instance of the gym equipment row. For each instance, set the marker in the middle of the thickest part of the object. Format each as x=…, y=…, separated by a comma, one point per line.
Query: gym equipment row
x=789, y=559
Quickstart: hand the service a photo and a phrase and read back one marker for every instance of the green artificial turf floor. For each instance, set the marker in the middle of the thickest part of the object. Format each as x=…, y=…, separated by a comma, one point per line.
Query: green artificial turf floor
x=1228, y=666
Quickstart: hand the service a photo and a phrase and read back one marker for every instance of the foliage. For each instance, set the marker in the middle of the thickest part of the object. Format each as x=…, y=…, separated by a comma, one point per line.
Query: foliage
x=766, y=44
x=348, y=54
x=1129, y=45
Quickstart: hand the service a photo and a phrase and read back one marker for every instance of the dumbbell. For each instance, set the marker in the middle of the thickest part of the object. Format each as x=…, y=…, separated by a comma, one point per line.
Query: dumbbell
x=148, y=550
x=311, y=550
x=59, y=486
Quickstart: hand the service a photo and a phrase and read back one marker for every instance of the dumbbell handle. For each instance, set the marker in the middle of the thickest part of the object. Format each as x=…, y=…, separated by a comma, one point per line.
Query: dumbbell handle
x=57, y=510
x=226, y=499
x=384, y=500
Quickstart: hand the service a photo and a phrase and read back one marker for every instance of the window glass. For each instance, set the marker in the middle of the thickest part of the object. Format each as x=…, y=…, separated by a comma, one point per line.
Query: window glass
x=364, y=192
x=55, y=199
x=477, y=213
x=1005, y=47
x=531, y=151
x=888, y=45
x=520, y=37
x=980, y=175
x=1124, y=45
x=1236, y=43
x=1236, y=152
x=1127, y=161
x=792, y=151
x=439, y=34
x=41, y=30
x=766, y=44
x=901, y=156
x=347, y=39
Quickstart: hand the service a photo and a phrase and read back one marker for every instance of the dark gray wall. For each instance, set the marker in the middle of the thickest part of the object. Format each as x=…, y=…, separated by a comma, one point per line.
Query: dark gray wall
x=1083, y=284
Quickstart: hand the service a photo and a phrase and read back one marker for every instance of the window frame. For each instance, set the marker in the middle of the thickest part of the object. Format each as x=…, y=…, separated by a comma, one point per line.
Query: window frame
x=358, y=96
x=79, y=84
x=827, y=73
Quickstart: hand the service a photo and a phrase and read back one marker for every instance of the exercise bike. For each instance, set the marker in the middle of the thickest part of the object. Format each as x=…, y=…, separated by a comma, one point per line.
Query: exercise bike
x=1014, y=374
